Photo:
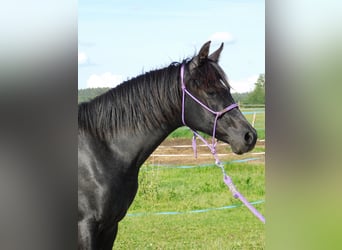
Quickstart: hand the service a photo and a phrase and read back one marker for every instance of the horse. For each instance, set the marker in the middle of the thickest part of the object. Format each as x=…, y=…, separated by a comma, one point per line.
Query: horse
x=118, y=130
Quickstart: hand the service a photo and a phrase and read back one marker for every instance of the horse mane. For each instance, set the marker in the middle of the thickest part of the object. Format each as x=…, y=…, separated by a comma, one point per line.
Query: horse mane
x=140, y=104
x=134, y=105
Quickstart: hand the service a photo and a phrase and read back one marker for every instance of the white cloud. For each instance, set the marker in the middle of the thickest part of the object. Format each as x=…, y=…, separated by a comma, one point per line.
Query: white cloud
x=82, y=58
x=105, y=80
x=244, y=85
x=222, y=37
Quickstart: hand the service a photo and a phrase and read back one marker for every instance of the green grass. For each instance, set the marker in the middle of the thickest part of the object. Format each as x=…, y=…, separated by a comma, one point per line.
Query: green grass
x=163, y=189
x=259, y=125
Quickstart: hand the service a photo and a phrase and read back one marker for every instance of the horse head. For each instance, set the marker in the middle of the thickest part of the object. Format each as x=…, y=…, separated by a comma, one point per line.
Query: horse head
x=209, y=105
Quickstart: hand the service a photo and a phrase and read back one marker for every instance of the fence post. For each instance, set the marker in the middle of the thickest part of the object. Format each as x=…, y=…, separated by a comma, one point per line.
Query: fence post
x=254, y=117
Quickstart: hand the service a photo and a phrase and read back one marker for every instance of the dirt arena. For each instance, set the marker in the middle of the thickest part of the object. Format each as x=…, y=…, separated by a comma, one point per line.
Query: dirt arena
x=180, y=152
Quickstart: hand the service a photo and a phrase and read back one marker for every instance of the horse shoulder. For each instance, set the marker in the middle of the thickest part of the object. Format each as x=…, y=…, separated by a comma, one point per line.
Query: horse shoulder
x=105, y=190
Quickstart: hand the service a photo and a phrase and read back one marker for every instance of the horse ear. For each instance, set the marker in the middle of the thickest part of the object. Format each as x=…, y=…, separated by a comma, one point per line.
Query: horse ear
x=216, y=55
x=201, y=57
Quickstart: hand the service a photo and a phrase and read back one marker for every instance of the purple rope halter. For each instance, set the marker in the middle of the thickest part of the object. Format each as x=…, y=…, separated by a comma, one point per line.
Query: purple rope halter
x=227, y=180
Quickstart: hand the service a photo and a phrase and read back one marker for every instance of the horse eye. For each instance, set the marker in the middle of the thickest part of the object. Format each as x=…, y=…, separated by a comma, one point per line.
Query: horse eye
x=211, y=92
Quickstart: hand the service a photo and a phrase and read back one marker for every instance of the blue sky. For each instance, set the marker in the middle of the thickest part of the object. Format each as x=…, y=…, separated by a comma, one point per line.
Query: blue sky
x=118, y=40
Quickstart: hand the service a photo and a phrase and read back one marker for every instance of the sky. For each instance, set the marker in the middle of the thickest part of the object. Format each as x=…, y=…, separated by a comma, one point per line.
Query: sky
x=118, y=40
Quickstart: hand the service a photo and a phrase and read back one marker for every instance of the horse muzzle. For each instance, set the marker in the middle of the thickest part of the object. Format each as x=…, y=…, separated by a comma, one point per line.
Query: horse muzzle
x=245, y=142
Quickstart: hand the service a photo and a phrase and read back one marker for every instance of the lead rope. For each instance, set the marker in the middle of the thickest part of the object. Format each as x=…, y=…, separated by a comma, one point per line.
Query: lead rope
x=226, y=179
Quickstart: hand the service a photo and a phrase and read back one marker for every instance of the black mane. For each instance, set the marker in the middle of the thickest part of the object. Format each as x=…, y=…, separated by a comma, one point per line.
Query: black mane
x=141, y=99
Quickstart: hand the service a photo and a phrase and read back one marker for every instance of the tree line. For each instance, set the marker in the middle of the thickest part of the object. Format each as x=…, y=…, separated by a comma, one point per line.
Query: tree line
x=85, y=95
x=257, y=96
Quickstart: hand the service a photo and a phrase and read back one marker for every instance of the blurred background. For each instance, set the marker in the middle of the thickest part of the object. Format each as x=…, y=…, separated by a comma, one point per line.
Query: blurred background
x=38, y=128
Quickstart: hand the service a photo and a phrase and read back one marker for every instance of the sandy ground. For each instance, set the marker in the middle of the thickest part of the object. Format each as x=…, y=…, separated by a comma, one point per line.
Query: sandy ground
x=180, y=152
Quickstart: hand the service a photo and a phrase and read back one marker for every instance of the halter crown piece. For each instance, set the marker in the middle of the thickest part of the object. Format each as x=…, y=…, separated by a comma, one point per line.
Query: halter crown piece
x=227, y=180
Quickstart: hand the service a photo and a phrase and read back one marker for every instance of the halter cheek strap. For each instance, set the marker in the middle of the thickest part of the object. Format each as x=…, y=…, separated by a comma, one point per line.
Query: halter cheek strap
x=227, y=180
x=217, y=114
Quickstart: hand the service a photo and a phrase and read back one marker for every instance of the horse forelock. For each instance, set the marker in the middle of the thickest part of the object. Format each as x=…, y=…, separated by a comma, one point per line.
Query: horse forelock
x=210, y=72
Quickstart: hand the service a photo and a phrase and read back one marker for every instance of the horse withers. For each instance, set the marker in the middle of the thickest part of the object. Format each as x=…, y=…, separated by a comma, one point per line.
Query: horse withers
x=119, y=129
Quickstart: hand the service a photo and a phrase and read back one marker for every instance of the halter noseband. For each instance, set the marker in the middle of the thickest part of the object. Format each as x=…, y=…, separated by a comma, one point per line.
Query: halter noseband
x=227, y=180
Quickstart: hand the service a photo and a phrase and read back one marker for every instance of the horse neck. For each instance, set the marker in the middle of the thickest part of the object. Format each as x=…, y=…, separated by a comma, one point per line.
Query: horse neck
x=154, y=101
x=145, y=111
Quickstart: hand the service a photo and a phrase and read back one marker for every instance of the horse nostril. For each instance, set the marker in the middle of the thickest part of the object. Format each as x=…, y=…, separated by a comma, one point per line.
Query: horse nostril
x=249, y=137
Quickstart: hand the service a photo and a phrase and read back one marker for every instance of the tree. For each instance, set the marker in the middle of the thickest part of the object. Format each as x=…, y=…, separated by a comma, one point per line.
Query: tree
x=257, y=96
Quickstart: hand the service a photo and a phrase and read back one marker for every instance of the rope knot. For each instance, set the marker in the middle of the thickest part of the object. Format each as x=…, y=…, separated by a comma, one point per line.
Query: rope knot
x=231, y=186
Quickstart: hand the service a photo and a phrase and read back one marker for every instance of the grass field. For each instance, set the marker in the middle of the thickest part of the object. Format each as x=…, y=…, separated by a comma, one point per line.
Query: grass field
x=164, y=189
x=181, y=192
